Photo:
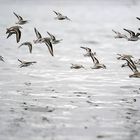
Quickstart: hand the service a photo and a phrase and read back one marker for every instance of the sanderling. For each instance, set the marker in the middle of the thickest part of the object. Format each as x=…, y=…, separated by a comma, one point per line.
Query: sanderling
x=25, y=63
x=45, y=40
x=133, y=36
x=53, y=39
x=38, y=35
x=119, y=35
x=132, y=66
x=29, y=44
x=21, y=21
x=76, y=66
x=97, y=65
x=60, y=16
x=14, y=30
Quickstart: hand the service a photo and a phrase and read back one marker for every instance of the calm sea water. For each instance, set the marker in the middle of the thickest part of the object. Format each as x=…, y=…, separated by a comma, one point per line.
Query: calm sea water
x=48, y=100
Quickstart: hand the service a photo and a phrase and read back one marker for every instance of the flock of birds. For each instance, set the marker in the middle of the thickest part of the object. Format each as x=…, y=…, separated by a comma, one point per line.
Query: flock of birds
x=49, y=41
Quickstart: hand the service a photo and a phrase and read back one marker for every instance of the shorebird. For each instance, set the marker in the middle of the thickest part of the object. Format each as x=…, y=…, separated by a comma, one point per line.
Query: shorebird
x=29, y=44
x=119, y=35
x=132, y=66
x=45, y=40
x=88, y=50
x=38, y=35
x=53, y=39
x=76, y=66
x=97, y=65
x=14, y=30
x=133, y=36
x=128, y=57
x=21, y=21
x=25, y=63
x=60, y=16
x=1, y=58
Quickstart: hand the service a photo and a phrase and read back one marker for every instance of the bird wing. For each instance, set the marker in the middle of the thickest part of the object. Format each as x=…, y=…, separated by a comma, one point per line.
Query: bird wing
x=29, y=44
x=57, y=13
x=49, y=45
x=19, y=17
x=20, y=61
x=130, y=32
x=114, y=31
x=52, y=36
x=18, y=34
x=138, y=18
x=30, y=47
x=38, y=35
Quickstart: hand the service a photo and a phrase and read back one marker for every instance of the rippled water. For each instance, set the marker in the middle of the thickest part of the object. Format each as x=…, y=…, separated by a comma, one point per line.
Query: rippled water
x=48, y=100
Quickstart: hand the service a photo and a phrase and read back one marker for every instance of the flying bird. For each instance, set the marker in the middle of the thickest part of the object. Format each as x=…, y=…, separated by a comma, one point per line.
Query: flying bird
x=133, y=36
x=60, y=16
x=14, y=30
x=26, y=63
x=21, y=21
x=53, y=39
x=45, y=40
x=118, y=34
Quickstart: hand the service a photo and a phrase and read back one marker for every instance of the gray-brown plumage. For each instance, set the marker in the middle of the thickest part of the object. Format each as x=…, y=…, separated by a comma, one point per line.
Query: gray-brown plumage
x=21, y=21
x=14, y=30
x=132, y=66
x=29, y=44
x=119, y=35
x=45, y=40
x=76, y=66
x=53, y=39
x=96, y=63
x=60, y=16
x=26, y=63
x=133, y=36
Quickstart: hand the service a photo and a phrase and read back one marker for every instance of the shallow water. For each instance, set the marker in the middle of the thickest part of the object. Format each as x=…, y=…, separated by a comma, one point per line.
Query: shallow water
x=48, y=100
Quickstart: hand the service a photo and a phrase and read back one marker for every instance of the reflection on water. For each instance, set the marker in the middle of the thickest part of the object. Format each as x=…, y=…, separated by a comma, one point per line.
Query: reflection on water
x=49, y=100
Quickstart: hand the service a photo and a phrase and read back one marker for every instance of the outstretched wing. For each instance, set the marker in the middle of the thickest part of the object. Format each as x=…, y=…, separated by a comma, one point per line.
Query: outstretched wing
x=38, y=35
x=18, y=35
x=57, y=13
x=49, y=45
x=52, y=36
x=130, y=32
x=19, y=17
